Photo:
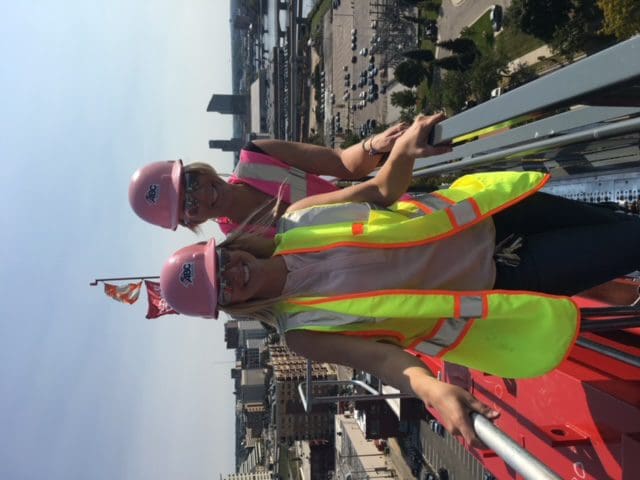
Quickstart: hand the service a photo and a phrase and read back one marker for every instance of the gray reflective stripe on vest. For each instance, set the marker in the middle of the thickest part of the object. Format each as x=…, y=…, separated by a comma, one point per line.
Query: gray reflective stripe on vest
x=463, y=212
x=319, y=318
x=433, y=202
x=325, y=215
x=294, y=177
x=471, y=306
x=449, y=332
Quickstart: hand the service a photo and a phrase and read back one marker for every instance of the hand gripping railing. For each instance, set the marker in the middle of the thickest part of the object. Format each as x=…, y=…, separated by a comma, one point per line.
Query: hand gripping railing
x=515, y=456
x=525, y=464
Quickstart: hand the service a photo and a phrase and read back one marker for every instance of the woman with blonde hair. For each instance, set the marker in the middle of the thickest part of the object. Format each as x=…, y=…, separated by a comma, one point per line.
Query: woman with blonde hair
x=169, y=194
x=476, y=274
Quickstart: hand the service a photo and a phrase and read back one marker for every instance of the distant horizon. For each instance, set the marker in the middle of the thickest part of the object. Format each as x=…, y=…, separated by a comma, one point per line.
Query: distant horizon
x=88, y=387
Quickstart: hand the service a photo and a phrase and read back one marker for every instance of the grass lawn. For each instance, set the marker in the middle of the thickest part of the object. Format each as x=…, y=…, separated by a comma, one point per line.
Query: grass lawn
x=515, y=43
x=430, y=14
x=481, y=32
x=318, y=14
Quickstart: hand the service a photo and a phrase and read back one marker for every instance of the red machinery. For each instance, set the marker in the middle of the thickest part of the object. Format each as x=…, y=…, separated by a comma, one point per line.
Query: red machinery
x=583, y=419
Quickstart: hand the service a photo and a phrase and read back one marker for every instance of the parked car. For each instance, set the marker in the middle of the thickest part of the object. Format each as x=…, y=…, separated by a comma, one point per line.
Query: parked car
x=364, y=51
x=496, y=92
x=496, y=17
x=372, y=59
x=432, y=32
x=354, y=59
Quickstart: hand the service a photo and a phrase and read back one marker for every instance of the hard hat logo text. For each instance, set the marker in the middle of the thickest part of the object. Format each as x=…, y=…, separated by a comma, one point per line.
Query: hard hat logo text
x=153, y=193
x=187, y=274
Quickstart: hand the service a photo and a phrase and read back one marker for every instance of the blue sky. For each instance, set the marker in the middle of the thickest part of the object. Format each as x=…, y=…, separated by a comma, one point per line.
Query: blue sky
x=88, y=387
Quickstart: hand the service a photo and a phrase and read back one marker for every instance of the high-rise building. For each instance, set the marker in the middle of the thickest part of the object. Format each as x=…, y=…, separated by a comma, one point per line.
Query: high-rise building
x=229, y=104
x=249, y=476
x=231, y=145
x=291, y=421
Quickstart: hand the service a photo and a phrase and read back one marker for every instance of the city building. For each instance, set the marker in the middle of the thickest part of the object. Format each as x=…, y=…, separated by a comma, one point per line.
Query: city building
x=231, y=145
x=237, y=104
x=291, y=421
x=248, y=476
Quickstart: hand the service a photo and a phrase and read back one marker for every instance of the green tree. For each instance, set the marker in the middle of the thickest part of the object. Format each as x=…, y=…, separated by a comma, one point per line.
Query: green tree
x=580, y=31
x=455, y=91
x=460, y=45
x=408, y=114
x=570, y=39
x=485, y=75
x=403, y=99
x=419, y=55
x=410, y=73
x=433, y=99
x=455, y=62
x=621, y=17
x=427, y=5
x=522, y=74
x=539, y=18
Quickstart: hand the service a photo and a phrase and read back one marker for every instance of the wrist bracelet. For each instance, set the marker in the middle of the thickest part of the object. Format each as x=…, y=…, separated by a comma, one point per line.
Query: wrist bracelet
x=372, y=151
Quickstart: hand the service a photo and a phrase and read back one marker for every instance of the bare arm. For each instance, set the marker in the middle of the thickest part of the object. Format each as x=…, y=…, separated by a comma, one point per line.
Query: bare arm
x=394, y=176
x=350, y=164
x=398, y=368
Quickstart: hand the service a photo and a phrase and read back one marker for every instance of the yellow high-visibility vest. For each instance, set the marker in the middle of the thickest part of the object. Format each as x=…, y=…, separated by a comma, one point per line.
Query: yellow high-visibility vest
x=511, y=334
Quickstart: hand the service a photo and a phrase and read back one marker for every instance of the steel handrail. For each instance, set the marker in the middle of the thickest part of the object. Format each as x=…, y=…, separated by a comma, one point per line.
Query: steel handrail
x=598, y=133
x=523, y=462
x=615, y=65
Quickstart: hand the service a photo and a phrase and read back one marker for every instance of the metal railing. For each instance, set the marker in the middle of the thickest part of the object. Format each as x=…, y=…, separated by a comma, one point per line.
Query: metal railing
x=613, y=66
x=515, y=456
x=525, y=464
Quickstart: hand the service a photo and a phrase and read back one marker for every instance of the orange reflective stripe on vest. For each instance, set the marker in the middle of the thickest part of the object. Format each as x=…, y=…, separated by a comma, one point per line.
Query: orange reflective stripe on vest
x=468, y=201
x=506, y=333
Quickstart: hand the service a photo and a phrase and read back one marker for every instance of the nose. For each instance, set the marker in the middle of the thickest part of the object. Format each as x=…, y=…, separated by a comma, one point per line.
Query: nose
x=233, y=275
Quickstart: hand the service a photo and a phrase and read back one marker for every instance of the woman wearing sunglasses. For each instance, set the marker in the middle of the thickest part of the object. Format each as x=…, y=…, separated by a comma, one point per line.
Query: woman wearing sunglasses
x=477, y=274
x=169, y=194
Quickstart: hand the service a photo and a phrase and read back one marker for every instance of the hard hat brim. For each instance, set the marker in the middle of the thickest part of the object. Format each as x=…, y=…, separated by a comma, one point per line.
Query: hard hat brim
x=211, y=268
x=176, y=192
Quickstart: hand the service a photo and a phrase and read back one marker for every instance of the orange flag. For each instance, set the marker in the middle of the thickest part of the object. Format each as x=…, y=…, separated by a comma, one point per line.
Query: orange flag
x=128, y=293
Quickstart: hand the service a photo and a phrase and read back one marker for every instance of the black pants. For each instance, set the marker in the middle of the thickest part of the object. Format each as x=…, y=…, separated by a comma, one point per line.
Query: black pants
x=568, y=246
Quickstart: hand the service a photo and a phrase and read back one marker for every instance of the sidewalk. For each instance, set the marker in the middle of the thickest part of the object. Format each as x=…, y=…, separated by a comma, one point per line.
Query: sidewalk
x=531, y=57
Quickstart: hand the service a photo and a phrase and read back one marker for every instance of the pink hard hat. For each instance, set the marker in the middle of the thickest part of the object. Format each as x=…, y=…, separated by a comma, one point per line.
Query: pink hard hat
x=189, y=282
x=154, y=193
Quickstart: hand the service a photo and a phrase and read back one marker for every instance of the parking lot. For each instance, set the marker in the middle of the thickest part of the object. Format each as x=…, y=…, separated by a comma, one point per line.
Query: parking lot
x=358, y=79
